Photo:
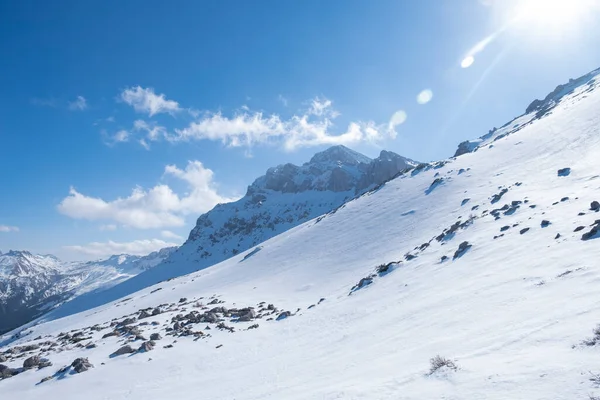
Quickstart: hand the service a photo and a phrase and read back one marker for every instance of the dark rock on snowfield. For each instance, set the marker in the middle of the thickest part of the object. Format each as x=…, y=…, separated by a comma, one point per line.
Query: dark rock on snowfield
x=109, y=334
x=524, y=230
x=46, y=379
x=545, y=223
x=283, y=315
x=564, y=172
x=31, y=362
x=579, y=228
x=504, y=228
x=127, y=349
x=81, y=365
x=595, y=206
x=593, y=233
x=147, y=346
x=462, y=248
x=155, y=336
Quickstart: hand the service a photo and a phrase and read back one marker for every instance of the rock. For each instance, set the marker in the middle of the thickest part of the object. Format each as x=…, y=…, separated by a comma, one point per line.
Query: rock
x=564, y=172
x=44, y=362
x=462, y=248
x=155, y=336
x=247, y=315
x=156, y=311
x=2, y=358
x=182, y=300
x=271, y=307
x=504, y=228
x=444, y=258
x=545, y=223
x=591, y=234
x=579, y=228
x=144, y=314
x=127, y=321
x=91, y=346
x=209, y=317
x=595, y=206
x=147, y=346
x=46, y=379
x=123, y=350
x=220, y=310
x=109, y=334
x=524, y=230
x=283, y=315
x=564, y=199
x=557, y=236
x=215, y=301
x=81, y=365
x=31, y=362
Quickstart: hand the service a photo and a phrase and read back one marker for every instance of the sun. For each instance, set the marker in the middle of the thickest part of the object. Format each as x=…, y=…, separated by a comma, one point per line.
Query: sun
x=551, y=14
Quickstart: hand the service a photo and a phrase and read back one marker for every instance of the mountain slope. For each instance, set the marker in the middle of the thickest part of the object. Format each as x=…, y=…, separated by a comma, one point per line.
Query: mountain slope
x=32, y=284
x=372, y=298
x=286, y=196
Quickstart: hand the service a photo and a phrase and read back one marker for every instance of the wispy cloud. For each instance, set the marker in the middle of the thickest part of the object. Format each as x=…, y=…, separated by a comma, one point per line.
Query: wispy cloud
x=136, y=247
x=171, y=235
x=144, y=100
x=6, y=228
x=79, y=104
x=47, y=102
x=108, y=227
x=283, y=100
x=157, y=207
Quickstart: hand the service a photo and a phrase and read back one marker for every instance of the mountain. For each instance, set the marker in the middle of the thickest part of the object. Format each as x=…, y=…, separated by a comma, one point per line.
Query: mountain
x=474, y=277
x=286, y=196
x=31, y=284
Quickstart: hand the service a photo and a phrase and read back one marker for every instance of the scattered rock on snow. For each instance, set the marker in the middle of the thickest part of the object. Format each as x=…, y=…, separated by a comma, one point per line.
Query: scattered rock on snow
x=155, y=336
x=147, y=346
x=524, y=230
x=127, y=349
x=564, y=172
x=81, y=365
x=545, y=223
x=31, y=362
x=595, y=206
x=462, y=248
x=283, y=315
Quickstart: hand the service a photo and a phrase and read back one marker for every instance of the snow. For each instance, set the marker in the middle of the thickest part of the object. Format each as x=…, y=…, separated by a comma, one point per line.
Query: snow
x=505, y=312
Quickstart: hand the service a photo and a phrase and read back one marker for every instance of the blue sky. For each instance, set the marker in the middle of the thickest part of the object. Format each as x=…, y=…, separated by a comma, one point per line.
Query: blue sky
x=122, y=121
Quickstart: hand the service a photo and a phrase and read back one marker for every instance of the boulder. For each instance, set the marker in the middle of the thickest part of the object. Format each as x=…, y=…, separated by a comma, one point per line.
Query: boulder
x=31, y=362
x=246, y=314
x=81, y=365
x=127, y=349
x=595, y=206
x=155, y=336
x=283, y=315
x=147, y=346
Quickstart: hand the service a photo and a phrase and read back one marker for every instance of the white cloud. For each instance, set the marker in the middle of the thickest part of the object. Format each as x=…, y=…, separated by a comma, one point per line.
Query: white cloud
x=121, y=136
x=157, y=207
x=425, y=96
x=79, y=104
x=311, y=128
x=171, y=235
x=398, y=118
x=109, y=227
x=146, y=101
x=6, y=228
x=153, y=131
x=136, y=247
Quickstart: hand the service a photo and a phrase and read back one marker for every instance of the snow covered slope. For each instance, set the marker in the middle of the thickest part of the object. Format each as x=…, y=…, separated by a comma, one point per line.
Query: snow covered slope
x=32, y=284
x=489, y=260
x=286, y=196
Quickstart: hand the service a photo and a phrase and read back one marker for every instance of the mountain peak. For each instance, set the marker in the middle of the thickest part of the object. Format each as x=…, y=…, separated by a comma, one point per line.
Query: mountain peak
x=340, y=154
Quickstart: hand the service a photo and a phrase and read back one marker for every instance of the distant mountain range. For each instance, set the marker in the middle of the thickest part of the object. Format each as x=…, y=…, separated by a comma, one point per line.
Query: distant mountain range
x=32, y=284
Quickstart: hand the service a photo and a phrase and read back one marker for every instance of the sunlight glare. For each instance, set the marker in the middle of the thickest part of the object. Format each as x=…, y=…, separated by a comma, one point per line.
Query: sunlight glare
x=467, y=61
x=551, y=14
